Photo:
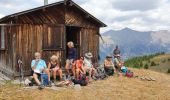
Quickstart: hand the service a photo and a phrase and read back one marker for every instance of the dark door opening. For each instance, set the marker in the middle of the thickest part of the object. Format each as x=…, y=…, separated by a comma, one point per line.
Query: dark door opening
x=73, y=34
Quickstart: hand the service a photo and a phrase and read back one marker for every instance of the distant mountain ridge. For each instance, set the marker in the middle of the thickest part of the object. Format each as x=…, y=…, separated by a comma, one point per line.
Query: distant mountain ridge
x=135, y=43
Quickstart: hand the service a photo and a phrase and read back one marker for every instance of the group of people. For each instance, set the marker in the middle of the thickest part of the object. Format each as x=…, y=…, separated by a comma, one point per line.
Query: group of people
x=74, y=67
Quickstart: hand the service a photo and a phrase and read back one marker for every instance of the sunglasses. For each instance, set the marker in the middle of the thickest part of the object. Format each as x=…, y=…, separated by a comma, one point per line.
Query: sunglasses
x=82, y=58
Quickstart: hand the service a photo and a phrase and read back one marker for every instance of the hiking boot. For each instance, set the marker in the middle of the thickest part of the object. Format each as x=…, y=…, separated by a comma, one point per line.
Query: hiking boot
x=94, y=78
x=55, y=82
x=41, y=86
x=49, y=84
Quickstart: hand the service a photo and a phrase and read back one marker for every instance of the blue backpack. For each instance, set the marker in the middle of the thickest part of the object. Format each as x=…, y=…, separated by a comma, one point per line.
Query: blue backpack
x=124, y=69
x=44, y=79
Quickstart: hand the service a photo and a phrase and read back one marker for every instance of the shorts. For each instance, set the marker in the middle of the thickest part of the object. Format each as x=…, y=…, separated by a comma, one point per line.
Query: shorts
x=69, y=61
x=39, y=74
x=109, y=71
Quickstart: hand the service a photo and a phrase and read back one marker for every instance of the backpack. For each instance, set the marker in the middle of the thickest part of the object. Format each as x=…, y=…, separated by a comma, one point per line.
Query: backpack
x=101, y=73
x=83, y=81
x=124, y=69
x=44, y=79
x=129, y=74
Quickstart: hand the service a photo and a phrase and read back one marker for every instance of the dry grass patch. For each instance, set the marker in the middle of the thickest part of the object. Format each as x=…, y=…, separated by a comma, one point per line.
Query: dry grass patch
x=110, y=89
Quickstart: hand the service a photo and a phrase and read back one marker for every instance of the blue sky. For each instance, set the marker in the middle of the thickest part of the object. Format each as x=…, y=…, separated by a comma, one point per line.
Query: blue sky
x=142, y=15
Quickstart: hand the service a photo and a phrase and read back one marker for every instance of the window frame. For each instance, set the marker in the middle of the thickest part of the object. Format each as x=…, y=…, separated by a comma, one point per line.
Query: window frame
x=45, y=32
x=2, y=38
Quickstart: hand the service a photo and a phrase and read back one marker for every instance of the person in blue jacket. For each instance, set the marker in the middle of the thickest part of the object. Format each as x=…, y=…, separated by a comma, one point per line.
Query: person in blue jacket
x=71, y=57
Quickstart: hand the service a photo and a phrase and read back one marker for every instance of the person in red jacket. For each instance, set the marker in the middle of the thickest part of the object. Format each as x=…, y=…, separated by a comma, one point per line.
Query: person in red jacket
x=79, y=67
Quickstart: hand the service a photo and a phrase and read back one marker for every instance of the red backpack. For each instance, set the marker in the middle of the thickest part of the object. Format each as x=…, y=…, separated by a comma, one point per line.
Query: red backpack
x=129, y=74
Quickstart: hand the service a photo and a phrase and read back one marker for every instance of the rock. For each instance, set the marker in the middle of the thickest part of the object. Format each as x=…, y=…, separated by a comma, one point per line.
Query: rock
x=77, y=87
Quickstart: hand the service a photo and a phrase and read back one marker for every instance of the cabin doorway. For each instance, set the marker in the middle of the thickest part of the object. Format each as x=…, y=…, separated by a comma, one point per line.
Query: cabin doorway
x=73, y=34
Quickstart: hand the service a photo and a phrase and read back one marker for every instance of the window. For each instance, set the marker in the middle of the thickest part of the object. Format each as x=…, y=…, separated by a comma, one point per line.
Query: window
x=2, y=37
x=53, y=38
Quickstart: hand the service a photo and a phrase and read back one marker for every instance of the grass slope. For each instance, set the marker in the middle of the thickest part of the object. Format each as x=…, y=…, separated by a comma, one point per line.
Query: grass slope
x=163, y=63
x=112, y=88
x=159, y=62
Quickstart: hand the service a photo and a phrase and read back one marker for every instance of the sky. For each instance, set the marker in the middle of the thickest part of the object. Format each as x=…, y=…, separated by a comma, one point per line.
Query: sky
x=141, y=15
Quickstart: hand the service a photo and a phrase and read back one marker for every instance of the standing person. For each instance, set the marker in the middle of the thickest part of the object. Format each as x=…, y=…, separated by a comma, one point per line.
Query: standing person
x=39, y=66
x=71, y=57
x=109, y=66
x=117, y=58
x=116, y=52
x=54, y=67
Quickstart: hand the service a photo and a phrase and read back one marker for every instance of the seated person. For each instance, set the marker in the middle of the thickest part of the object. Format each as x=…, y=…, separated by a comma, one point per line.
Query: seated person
x=79, y=67
x=117, y=62
x=39, y=66
x=71, y=57
x=54, y=67
x=88, y=66
x=109, y=66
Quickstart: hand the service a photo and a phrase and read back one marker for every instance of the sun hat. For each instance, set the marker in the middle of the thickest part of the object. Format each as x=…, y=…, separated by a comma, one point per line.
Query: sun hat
x=109, y=56
x=88, y=55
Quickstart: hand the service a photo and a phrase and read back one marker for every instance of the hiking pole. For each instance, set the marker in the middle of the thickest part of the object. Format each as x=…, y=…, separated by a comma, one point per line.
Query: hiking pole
x=21, y=70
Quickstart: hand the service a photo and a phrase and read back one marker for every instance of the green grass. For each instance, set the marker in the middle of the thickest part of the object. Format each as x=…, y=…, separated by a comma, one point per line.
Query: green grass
x=159, y=62
x=142, y=61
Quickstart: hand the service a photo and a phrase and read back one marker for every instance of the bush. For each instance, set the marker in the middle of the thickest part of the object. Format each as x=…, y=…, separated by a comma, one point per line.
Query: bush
x=168, y=71
x=141, y=64
x=163, y=61
x=168, y=59
x=153, y=63
x=146, y=66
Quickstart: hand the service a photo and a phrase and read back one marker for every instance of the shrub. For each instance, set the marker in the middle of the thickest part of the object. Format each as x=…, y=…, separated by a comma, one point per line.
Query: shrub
x=168, y=59
x=146, y=66
x=153, y=63
x=141, y=64
x=168, y=71
x=163, y=61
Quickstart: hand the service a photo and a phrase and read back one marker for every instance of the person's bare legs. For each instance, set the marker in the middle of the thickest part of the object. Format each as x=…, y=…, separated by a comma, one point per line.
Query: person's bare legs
x=60, y=74
x=35, y=76
x=67, y=67
x=74, y=70
x=90, y=73
x=77, y=73
x=54, y=74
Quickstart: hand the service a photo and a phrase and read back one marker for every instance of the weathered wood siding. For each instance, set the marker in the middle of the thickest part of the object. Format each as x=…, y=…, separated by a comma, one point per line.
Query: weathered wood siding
x=90, y=42
x=74, y=17
x=30, y=38
x=89, y=34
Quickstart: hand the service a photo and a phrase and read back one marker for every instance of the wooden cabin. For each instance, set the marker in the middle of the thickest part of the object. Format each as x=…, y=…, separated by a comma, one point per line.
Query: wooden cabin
x=46, y=29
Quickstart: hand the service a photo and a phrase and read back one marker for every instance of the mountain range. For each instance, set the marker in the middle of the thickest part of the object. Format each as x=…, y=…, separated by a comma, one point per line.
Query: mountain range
x=134, y=43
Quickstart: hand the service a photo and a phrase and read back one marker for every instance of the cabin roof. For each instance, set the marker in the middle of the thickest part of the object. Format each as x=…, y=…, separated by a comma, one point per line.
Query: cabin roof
x=54, y=4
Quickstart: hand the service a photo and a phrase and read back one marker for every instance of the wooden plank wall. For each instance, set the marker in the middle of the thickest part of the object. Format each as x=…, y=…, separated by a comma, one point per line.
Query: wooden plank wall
x=90, y=42
x=51, y=15
x=6, y=55
x=29, y=40
x=89, y=31
x=76, y=18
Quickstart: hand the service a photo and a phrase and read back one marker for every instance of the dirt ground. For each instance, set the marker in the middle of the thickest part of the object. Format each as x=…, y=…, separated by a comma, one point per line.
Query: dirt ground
x=112, y=88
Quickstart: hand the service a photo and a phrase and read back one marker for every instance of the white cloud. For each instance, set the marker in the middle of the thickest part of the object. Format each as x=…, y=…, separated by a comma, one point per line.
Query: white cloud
x=1, y=15
x=140, y=15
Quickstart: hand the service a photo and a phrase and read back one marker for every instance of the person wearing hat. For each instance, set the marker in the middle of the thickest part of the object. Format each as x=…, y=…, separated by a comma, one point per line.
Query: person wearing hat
x=117, y=62
x=88, y=66
x=54, y=67
x=109, y=66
